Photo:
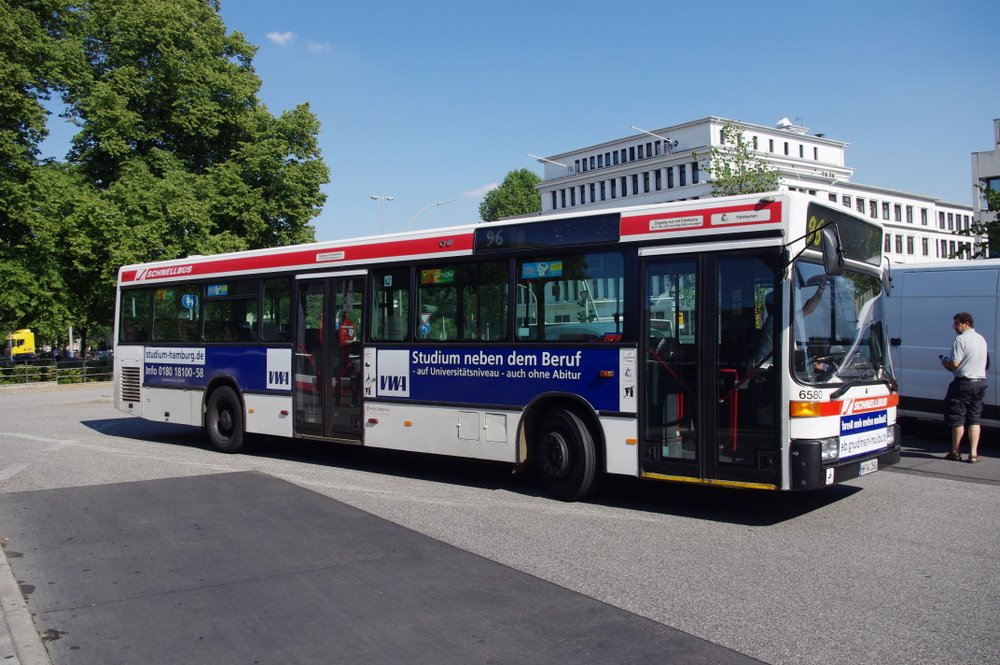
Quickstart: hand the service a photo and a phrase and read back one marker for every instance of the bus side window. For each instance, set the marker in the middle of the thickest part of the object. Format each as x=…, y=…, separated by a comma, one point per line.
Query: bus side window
x=390, y=304
x=277, y=310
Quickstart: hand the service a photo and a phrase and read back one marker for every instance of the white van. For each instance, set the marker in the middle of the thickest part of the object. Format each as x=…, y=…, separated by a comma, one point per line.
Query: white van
x=919, y=314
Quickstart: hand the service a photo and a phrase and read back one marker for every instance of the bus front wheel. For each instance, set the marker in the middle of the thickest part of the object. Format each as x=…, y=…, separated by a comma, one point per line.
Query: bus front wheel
x=565, y=456
x=224, y=420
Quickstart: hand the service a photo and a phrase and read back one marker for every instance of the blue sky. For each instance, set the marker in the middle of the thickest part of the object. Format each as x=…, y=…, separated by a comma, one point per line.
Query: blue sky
x=434, y=101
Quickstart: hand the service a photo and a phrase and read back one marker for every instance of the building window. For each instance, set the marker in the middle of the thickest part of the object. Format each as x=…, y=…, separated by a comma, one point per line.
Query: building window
x=846, y=200
x=873, y=209
x=604, y=194
x=722, y=136
x=577, y=165
x=802, y=151
x=625, y=186
x=909, y=244
x=614, y=156
x=631, y=153
x=695, y=173
x=885, y=210
x=607, y=159
x=635, y=183
x=593, y=192
x=600, y=161
x=924, y=246
x=888, y=243
x=786, y=147
x=641, y=156
x=645, y=182
x=816, y=153
x=592, y=160
x=909, y=214
x=770, y=145
x=649, y=149
x=583, y=194
x=562, y=197
x=899, y=244
x=897, y=211
x=658, y=179
x=940, y=219
x=624, y=155
x=861, y=205
x=553, y=199
x=683, y=174
x=572, y=196
x=832, y=196
x=923, y=216
x=614, y=188
x=951, y=222
x=755, y=143
x=670, y=177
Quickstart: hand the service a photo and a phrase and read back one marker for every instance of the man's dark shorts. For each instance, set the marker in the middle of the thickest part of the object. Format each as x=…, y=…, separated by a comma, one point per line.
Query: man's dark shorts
x=964, y=402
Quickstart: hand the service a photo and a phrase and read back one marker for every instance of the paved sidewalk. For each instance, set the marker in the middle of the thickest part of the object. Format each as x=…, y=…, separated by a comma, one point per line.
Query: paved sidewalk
x=20, y=643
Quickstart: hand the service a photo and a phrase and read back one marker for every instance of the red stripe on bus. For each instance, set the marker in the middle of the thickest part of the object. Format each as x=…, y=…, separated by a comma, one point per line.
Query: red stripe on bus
x=312, y=257
x=692, y=219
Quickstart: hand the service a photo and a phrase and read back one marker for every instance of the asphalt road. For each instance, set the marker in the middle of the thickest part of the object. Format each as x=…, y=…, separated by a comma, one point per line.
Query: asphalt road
x=896, y=567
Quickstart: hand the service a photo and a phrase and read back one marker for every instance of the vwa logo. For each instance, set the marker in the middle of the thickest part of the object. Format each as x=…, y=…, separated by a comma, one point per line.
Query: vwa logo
x=392, y=384
x=277, y=379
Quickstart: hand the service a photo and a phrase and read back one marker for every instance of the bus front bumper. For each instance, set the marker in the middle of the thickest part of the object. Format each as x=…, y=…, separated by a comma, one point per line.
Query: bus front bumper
x=809, y=471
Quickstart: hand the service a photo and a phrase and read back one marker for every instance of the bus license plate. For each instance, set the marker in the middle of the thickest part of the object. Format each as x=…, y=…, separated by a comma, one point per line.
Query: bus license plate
x=868, y=467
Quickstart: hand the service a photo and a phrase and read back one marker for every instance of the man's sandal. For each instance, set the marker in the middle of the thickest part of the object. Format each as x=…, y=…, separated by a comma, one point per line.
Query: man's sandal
x=973, y=459
x=954, y=457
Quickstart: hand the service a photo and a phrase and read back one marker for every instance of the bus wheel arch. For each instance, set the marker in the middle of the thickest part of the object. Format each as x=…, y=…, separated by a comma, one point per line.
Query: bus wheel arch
x=224, y=417
x=564, y=446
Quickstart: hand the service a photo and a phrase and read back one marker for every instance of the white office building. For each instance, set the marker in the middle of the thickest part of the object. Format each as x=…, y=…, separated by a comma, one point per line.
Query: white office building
x=670, y=164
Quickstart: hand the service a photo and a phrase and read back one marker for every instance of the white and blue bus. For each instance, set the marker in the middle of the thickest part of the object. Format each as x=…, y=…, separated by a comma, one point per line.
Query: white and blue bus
x=733, y=341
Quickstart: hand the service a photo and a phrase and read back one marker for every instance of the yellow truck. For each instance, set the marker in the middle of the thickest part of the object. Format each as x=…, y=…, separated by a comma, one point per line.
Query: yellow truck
x=20, y=345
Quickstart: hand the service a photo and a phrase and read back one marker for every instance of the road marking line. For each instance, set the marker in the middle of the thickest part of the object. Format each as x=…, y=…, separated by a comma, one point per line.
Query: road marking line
x=13, y=470
x=32, y=437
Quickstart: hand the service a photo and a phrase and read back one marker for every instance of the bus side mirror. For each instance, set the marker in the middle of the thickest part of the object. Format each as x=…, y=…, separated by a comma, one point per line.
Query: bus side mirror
x=833, y=251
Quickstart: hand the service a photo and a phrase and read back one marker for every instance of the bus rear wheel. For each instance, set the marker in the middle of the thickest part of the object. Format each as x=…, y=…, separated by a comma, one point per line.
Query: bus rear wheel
x=566, y=456
x=224, y=420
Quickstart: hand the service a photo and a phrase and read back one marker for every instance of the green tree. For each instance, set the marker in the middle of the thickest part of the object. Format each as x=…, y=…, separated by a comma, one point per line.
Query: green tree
x=32, y=62
x=516, y=195
x=735, y=169
x=986, y=231
x=175, y=155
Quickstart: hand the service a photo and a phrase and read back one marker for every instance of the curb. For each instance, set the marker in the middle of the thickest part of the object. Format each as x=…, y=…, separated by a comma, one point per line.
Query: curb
x=17, y=621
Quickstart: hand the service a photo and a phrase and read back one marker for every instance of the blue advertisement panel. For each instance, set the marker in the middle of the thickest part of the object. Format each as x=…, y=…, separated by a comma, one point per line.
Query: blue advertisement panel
x=497, y=376
x=863, y=432
x=254, y=368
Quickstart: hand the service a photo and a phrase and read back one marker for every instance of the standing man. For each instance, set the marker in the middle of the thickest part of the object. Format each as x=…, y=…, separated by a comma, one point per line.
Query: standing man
x=964, y=400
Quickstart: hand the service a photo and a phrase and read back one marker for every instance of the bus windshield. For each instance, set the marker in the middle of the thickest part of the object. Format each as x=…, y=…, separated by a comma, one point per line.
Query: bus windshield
x=838, y=332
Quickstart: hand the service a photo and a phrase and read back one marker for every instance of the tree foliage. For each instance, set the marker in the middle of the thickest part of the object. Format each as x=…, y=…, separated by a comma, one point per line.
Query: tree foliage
x=735, y=169
x=986, y=231
x=516, y=195
x=174, y=153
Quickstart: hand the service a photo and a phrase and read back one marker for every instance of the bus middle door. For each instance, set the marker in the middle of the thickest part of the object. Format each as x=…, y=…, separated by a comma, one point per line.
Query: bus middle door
x=328, y=365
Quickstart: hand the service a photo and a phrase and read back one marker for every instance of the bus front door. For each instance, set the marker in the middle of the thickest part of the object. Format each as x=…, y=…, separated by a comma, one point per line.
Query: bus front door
x=328, y=374
x=709, y=407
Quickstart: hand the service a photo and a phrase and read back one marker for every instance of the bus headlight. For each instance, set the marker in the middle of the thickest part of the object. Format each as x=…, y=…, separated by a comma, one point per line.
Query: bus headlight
x=830, y=448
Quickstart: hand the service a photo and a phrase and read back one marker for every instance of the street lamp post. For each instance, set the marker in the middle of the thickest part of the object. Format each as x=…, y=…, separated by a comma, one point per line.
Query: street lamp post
x=428, y=207
x=382, y=199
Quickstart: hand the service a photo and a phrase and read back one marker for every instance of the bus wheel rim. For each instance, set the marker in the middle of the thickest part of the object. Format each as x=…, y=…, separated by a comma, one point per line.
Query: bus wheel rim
x=556, y=455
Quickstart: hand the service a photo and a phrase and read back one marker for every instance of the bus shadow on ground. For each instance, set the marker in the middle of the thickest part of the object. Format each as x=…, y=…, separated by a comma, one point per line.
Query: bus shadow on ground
x=718, y=504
